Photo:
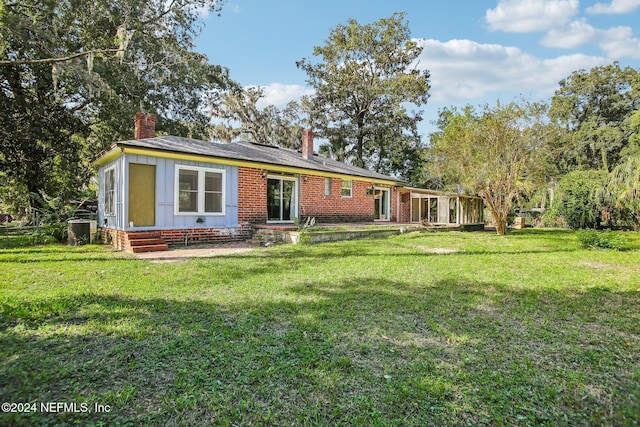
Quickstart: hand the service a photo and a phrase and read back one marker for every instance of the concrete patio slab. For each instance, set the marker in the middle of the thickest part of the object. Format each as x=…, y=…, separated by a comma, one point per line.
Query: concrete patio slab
x=198, y=251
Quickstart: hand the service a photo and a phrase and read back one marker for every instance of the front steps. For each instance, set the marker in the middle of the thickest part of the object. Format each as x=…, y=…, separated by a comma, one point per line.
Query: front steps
x=267, y=237
x=145, y=241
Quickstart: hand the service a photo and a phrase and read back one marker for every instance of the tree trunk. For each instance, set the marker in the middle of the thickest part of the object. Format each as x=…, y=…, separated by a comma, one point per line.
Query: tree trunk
x=605, y=162
x=496, y=210
x=501, y=227
x=500, y=220
x=360, y=143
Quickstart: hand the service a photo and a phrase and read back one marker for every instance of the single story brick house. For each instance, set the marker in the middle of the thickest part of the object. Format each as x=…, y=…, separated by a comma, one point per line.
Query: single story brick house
x=184, y=189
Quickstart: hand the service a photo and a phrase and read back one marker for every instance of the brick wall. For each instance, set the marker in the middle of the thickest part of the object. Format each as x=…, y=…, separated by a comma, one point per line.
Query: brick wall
x=252, y=200
x=145, y=125
x=178, y=237
x=252, y=196
x=114, y=237
x=334, y=208
x=405, y=207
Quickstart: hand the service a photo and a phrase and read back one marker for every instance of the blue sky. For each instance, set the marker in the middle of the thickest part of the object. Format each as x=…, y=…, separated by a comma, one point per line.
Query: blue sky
x=477, y=51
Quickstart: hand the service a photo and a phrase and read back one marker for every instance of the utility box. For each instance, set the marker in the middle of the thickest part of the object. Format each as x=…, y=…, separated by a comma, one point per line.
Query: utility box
x=79, y=231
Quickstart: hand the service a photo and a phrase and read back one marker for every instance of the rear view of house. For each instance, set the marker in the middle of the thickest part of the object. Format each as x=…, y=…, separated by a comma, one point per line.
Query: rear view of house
x=181, y=189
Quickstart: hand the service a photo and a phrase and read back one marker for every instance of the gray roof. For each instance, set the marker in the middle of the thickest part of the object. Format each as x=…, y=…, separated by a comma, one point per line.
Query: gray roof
x=253, y=152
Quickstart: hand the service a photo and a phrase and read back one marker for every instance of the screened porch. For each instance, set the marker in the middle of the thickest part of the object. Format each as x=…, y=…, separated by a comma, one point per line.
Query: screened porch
x=440, y=208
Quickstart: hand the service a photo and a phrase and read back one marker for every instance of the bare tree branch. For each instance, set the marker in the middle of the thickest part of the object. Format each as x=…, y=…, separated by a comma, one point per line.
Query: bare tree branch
x=9, y=63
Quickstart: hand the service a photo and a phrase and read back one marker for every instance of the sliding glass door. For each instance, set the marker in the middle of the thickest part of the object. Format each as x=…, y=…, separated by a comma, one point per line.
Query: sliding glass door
x=282, y=199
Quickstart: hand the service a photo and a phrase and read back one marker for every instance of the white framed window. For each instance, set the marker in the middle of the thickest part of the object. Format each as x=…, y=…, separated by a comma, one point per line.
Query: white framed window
x=199, y=191
x=346, y=190
x=110, y=191
x=327, y=186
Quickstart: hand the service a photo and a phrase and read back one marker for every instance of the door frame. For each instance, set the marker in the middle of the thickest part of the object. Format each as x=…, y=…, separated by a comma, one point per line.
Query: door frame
x=385, y=193
x=148, y=197
x=283, y=178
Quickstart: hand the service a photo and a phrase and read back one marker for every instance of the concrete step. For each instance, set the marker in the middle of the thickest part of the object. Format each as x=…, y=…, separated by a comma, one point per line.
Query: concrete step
x=144, y=242
x=135, y=235
x=266, y=238
x=149, y=248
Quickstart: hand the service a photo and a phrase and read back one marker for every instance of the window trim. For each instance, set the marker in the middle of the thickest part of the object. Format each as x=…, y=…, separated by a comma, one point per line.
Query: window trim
x=342, y=188
x=201, y=191
x=111, y=212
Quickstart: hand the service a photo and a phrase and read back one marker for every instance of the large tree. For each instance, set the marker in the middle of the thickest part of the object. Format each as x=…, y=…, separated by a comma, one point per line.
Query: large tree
x=624, y=180
x=74, y=72
x=594, y=106
x=498, y=153
x=238, y=117
x=364, y=81
x=624, y=185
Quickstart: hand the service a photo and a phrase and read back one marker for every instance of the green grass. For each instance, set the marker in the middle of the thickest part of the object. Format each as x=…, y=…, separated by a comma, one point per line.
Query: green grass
x=419, y=329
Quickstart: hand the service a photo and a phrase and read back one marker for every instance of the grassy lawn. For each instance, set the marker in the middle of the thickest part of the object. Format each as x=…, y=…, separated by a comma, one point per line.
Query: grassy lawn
x=419, y=329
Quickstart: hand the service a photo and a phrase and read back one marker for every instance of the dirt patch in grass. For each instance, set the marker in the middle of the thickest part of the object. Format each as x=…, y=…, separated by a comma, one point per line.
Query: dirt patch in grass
x=591, y=264
x=438, y=251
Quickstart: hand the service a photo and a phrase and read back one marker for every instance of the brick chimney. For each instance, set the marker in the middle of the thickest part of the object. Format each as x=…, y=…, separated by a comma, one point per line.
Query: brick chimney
x=145, y=125
x=307, y=144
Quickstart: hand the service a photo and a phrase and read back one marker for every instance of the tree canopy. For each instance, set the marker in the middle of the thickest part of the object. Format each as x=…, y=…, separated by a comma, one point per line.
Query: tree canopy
x=595, y=106
x=73, y=73
x=238, y=116
x=498, y=153
x=364, y=80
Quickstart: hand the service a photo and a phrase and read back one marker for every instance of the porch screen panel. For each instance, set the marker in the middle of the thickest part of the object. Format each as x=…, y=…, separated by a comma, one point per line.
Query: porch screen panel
x=415, y=209
x=453, y=210
x=433, y=210
x=424, y=209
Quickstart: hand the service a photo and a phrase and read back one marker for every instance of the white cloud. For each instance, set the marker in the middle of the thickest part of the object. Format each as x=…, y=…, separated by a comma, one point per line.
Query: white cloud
x=280, y=95
x=523, y=16
x=464, y=70
x=576, y=34
x=617, y=42
x=615, y=7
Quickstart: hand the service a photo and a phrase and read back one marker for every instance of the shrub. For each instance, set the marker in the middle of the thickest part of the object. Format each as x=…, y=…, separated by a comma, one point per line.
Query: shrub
x=592, y=239
x=50, y=218
x=577, y=202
